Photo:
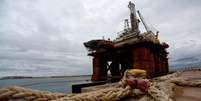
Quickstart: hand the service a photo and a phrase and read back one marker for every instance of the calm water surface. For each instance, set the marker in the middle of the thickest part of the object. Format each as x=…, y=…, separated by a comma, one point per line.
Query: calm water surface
x=48, y=84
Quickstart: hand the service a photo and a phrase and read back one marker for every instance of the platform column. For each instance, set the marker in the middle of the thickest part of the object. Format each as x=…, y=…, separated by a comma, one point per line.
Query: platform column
x=157, y=69
x=115, y=71
x=99, y=68
x=143, y=59
x=164, y=64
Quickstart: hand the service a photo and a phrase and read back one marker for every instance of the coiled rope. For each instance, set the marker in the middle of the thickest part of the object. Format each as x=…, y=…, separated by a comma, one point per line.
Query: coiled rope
x=156, y=91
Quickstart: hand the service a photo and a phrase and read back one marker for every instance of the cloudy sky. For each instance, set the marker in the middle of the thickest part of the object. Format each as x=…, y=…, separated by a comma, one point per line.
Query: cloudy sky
x=44, y=37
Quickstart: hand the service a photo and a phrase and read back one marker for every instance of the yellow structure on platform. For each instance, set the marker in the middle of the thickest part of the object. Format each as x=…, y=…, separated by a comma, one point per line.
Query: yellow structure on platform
x=137, y=72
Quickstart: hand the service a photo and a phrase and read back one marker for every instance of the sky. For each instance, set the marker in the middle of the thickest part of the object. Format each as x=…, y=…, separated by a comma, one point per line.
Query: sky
x=45, y=37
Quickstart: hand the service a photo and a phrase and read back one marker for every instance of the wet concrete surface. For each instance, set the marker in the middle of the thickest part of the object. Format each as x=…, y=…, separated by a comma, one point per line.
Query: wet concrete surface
x=188, y=93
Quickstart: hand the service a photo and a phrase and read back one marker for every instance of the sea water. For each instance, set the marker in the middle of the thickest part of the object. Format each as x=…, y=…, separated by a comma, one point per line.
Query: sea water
x=58, y=84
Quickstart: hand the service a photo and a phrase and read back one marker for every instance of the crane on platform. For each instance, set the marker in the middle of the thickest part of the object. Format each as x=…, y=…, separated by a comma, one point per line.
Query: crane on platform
x=147, y=28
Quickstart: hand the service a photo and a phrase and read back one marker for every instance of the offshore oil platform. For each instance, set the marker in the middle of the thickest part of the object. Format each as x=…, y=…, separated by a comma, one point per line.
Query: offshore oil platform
x=130, y=50
x=142, y=53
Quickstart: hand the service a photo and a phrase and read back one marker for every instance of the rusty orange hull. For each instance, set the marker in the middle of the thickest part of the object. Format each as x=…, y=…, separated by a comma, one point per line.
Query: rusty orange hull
x=147, y=56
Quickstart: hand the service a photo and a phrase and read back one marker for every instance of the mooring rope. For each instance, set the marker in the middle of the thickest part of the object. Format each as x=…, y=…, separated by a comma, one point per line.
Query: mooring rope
x=156, y=91
x=28, y=94
x=107, y=94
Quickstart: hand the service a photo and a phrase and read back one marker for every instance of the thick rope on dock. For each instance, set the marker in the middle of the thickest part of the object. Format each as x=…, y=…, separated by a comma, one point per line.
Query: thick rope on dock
x=28, y=94
x=108, y=94
x=183, y=82
x=161, y=91
x=158, y=91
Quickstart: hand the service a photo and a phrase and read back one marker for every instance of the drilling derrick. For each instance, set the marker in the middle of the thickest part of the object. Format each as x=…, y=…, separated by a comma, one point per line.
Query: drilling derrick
x=131, y=49
x=133, y=18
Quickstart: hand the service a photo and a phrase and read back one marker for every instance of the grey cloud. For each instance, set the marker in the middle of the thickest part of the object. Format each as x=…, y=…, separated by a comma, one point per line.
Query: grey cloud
x=47, y=35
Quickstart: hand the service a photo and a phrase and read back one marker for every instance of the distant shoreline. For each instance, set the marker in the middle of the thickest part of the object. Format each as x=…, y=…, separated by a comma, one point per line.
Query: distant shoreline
x=30, y=77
